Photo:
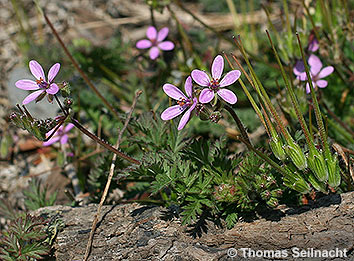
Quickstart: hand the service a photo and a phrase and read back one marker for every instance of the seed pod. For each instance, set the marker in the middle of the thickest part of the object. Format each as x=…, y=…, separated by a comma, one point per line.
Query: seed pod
x=276, y=146
x=318, y=165
x=297, y=156
x=333, y=172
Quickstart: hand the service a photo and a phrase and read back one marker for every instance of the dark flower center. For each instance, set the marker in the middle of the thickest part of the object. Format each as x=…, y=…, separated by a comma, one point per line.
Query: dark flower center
x=153, y=42
x=182, y=102
x=42, y=84
x=214, y=84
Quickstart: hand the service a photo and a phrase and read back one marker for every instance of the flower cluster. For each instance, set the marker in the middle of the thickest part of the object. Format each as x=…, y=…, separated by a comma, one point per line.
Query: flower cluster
x=41, y=84
x=213, y=88
x=316, y=72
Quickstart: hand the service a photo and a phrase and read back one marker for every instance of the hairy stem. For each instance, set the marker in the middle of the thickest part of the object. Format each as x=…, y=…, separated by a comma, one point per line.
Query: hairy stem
x=103, y=143
x=239, y=123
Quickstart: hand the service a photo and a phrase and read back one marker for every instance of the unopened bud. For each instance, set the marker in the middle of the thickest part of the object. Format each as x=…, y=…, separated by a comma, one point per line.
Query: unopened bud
x=215, y=116
x=297, y=156
x=202, y=112
x=276, y=146
x=333, y=172
x=318, y=165
x=273, y=202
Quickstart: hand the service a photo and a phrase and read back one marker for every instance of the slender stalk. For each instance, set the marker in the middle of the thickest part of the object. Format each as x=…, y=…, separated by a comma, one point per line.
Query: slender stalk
x=60, y=105
x=264, y=157
x=320, y=124
x=103, y=143
x=311, y=20
x=292, y=96
x=249, y=96
x=239, y=123
x=110, y=176
x=262, y=93
x=55, y=130
x=76, y=65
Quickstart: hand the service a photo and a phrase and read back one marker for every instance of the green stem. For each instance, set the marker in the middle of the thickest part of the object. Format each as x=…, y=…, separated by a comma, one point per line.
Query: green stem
x=262, y=93
x=320, y=124
x=265, y=157
x=239, y=123
x=292, y=97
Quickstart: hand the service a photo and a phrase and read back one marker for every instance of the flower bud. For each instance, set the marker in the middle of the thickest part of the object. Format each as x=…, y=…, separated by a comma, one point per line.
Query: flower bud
x=215, y=116
x=317, y=164
x=295, y=181
x=276, y=146
x=333, y=172
x=273, y=202
x=297, y=156
x=15, y=119
x=202, y=112
x=319, y=186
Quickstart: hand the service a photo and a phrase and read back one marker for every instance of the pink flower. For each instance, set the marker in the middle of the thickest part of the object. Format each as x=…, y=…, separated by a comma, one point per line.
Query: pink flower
x=60, y=135
x=313, y=45
x=214, y=84
x=155, y=42
x=41, y=84
x=299, y=71
x=316, y=72
x=183, y=102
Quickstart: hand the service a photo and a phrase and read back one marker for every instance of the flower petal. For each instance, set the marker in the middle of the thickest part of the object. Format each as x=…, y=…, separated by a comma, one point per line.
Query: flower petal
x=206, y=95
x=166, y=46
x=217, y=67
x=186, y=116
x=308, y=87
x=227, y=96
x=322, y=83
x=154, y=53
x=54, y=139
x=52, y=130
x=53, y=89
x=143, y=44
x=64, y=139
x=326, y=71
x=32, y=97
x=188, y=87
x=53, y=71
x=313, y=45
x=162, y=34
x=28, y=85
x=200, y=77
x=68, y=127
x=172, y=112
x=36, y=69
x=173, y=92
x=230, y=78
x=315, y=64
x=151, y=33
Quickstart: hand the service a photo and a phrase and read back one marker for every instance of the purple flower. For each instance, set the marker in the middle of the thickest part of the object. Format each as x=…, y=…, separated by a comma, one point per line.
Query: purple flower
x=155, y=42
x=214, y=83
x=313, y=45
x=183, y=102
x=41, y=84
x=316, y=72
x=299, y=71
x=60, y=135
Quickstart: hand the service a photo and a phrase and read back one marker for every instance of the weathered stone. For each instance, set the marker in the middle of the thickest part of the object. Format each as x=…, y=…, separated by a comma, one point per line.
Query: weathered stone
x=135, y=232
